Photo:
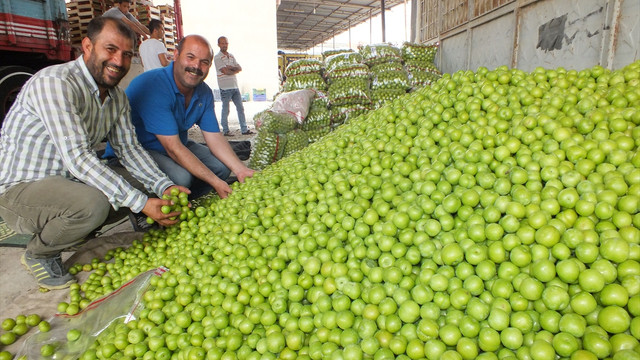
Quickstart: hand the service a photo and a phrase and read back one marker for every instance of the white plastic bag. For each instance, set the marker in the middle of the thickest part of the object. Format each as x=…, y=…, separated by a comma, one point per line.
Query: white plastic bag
x=296, y=103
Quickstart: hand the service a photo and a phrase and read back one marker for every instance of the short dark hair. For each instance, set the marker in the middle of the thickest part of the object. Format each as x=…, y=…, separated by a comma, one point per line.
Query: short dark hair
x=155, y=24
x=121, y=1
x=97, y=24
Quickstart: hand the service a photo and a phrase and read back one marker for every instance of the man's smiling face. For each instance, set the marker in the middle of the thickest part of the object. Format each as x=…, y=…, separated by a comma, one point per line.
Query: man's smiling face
x=192, y=62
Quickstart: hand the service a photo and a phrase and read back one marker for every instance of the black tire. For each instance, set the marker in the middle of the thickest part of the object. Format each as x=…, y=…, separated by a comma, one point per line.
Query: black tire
x=11, y=80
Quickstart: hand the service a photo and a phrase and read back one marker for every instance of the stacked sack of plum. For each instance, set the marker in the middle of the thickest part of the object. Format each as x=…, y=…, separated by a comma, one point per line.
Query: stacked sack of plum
x=418, y=61
x=389, y=80
x=304, y=74
x=349, y=86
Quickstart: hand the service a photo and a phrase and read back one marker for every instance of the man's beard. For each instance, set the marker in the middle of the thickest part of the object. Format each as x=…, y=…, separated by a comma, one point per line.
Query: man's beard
x=98, y=73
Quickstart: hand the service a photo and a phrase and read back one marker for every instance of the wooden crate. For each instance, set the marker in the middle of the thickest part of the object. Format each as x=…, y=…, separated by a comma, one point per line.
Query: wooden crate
x=429, y=20
x=481, y=7
x=454, y=13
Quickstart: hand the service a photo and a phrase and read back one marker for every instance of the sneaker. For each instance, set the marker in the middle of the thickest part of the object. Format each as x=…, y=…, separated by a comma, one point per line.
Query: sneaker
x=139, y=222
x=49, y=272
x=227, y=134
x=248, y=132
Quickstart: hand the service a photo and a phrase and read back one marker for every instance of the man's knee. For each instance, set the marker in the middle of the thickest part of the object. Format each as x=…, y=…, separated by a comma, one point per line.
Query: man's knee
x=181, y=177
x=94, y=211
x=223, y=173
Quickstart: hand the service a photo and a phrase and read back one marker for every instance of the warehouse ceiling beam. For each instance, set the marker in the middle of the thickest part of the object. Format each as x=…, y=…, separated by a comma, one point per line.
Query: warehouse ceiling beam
x=322, y=18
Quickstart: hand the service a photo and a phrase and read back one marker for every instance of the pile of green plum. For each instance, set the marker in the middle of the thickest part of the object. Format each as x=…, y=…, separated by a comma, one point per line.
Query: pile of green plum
x=13, y=329
x=493, y=215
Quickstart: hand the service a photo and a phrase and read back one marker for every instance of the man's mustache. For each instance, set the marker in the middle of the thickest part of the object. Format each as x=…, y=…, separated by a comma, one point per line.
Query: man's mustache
x=194, y=70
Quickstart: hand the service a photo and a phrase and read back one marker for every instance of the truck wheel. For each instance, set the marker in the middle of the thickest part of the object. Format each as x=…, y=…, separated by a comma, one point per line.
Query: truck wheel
x=11, y=80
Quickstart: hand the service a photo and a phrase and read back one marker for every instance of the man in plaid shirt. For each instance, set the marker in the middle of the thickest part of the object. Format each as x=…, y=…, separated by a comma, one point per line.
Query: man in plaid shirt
x=52, y=184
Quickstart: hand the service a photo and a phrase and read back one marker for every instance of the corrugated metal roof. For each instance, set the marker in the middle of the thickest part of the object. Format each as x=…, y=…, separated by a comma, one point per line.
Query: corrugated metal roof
x=302, y=24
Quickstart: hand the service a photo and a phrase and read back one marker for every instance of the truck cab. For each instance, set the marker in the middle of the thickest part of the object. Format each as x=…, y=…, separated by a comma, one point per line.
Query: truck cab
x=35, y=34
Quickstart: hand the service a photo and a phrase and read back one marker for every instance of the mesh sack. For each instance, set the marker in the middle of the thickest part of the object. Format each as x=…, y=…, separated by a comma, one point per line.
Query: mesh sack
x=305, y=81
x=341, y=59
x=275, y=122
x=296, y=140
x=316, y=134
x=380, y=53
x=389, y=66
x=349, y=91
x=381, y=96
x=268, y=148
x=419, y=51
x=390, y=80
x=343, y=71
x=327, y=53
x=344, y=113
x=318, y=116
x=303, y=66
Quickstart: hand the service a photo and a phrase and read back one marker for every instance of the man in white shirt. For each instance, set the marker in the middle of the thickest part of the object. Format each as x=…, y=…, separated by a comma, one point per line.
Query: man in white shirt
x=153, y=53
x=121, y=11
x=227, y=67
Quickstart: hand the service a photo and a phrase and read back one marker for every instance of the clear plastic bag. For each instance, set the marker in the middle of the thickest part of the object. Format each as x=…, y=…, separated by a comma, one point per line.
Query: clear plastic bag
x=295, y=103
x=123, y=303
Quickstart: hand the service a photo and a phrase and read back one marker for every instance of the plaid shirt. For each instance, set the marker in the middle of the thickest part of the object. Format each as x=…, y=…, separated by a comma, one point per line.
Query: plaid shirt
x=55, y=123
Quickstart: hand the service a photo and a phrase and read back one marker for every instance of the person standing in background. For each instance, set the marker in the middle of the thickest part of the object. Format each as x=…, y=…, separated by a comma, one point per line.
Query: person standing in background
x=227, y=67
x=153, y=53
x=121, y=11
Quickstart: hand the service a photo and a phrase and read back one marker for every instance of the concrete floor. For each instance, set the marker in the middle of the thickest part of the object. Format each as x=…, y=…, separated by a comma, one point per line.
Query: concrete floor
x=19, y=293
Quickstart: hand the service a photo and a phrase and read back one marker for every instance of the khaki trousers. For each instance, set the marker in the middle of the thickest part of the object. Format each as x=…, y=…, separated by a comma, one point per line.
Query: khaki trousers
x=58, y=212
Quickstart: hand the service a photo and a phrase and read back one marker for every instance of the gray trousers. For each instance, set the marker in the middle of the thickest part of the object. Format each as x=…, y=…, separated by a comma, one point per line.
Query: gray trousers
x=58, y=212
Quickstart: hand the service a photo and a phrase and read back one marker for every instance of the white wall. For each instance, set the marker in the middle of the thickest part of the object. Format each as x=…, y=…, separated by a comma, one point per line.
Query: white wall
x=250, y=27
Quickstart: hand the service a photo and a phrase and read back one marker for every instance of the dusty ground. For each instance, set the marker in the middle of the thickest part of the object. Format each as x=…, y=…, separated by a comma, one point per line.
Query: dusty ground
x=19, y=293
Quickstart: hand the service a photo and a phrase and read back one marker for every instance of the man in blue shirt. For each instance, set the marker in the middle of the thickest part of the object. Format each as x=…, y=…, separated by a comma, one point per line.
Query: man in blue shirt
x=166, y=103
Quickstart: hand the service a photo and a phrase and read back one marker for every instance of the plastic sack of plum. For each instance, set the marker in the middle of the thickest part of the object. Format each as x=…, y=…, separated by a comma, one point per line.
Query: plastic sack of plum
x=296, y=103
x=124, y=303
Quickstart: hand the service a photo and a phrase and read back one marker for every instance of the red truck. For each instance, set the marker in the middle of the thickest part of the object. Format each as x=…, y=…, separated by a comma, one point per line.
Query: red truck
x=33, y=34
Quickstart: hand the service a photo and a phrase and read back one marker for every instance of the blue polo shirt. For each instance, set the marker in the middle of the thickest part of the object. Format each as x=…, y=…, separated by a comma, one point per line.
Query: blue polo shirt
x=158, y=108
